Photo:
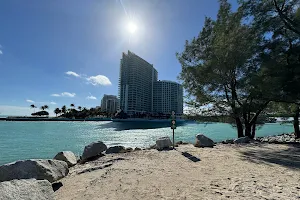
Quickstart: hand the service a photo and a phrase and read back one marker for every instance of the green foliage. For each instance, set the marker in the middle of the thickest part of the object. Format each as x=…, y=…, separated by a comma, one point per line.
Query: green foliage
x=40, y=113
x=219, y=67
x=57, y=111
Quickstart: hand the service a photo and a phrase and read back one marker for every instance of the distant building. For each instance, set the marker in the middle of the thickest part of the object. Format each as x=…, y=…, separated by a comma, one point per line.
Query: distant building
x=168, y=97
x=136, y=83
x=109, y=103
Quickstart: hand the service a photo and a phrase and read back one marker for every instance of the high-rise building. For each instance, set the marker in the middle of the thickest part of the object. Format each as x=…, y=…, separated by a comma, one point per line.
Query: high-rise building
x=168, y=97
x=109, y=104
x=136, y=84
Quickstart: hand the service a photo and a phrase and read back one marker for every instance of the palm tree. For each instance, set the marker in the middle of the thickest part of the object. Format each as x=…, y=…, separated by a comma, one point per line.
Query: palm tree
x=33, y=106
x=79, y=108
x=42, y=107
x=72, y=105
x=64, y=109
x=46, y=107
x=57, y=111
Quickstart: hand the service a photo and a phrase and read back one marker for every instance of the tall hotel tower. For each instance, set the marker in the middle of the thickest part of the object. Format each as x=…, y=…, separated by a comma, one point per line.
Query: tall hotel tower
x=136, y=84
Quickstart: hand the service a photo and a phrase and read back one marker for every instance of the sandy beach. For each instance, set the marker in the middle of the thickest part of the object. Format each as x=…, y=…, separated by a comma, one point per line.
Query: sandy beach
x=252, y=171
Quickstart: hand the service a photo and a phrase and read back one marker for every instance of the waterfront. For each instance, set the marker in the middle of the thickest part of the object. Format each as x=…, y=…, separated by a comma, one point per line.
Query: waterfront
x=24, y=140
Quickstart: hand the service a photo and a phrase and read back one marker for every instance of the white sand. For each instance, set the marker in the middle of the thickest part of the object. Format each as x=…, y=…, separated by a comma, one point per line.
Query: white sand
x=268, y=171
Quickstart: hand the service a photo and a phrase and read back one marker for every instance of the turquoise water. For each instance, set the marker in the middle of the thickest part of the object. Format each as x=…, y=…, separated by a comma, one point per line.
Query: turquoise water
x=25, y=140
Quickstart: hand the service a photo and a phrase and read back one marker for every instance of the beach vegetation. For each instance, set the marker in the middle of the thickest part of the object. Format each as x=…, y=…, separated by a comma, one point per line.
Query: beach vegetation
x=243, y=60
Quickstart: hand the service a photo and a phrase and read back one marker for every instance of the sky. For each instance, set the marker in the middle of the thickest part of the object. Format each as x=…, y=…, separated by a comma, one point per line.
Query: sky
x=61, y=52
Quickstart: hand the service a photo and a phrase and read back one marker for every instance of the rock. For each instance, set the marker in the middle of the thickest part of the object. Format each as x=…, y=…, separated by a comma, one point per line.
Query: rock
x=271, y=140
x=129, y=149
x=292, y=140
x=26, y=189
x=242, y=140
x=163, y=143
x=179, y=142
x=51, y=170
x=203, y=141
x=116, y=149
x=93, y=150
x=152, y=146
x=228, y=141
x=67, y=156
x=137, y=149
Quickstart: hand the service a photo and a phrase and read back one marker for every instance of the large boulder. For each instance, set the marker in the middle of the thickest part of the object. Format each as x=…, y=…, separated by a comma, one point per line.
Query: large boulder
x=48, y=169
x=203, y=141
x=93, y=150
x=67, y=156
x=115, y=149
x=26, y=189
x=242, y=140
x=163, y=143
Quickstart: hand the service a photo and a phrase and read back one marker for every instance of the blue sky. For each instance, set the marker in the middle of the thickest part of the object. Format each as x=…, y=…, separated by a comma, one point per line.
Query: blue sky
x=62, y=52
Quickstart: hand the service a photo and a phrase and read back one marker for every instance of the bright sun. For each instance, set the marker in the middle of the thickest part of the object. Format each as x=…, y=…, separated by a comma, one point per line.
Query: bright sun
x=132, y=27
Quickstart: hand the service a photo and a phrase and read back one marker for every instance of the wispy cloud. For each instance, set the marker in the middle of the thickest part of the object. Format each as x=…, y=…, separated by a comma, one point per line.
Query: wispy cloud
x=29, y=101
x=64, y=94
x=72, y=74
x=91, y=98
x=41, y=102
x=98, y=80
x=1, y=52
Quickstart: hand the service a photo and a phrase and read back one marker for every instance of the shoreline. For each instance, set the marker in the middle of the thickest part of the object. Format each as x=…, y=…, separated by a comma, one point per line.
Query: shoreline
x=253, y=170
x=250, y=171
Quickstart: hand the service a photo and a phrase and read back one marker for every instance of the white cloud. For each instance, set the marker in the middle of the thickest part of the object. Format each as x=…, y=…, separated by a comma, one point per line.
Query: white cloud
x=1, y=52
x=72, y=74
x=53, y=103
x=98, y=80
x=29, y=101
x=64, y=94
x=68, y=94
x=91, y=97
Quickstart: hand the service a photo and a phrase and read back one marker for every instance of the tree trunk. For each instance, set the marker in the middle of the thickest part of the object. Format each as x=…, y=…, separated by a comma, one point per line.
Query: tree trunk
x=253, y=130
x=239, y=126
x=296, y=123
x=248, y=129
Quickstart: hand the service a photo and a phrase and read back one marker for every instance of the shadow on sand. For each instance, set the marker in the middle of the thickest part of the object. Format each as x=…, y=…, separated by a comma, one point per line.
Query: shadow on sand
x=120, y=126
x=289, y=157
x=190, y=156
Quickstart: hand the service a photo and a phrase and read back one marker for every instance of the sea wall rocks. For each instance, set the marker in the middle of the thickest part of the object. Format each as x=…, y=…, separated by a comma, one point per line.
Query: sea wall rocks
x=93, y=150
x=242, y=140
x=26, y=190
x=203, y=141
x=67, y=156
x=163, y=143
x=48, y=169
x=115, y=149
x=279, y=139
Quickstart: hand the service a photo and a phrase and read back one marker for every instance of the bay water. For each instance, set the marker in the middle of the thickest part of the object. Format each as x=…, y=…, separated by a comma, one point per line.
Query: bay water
x=27, y=140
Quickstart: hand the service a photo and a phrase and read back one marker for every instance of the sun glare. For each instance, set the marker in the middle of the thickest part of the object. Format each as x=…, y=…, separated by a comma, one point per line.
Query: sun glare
x=132, y=27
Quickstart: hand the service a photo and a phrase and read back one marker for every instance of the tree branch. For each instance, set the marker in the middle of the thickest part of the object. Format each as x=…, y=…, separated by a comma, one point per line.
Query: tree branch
x=254, y=118
x=285, y=19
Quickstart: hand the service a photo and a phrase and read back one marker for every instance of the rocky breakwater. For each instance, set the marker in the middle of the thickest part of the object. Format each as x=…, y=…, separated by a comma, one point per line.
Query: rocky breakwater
x=286, y=138
x=279, y=139
x=30, y=179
